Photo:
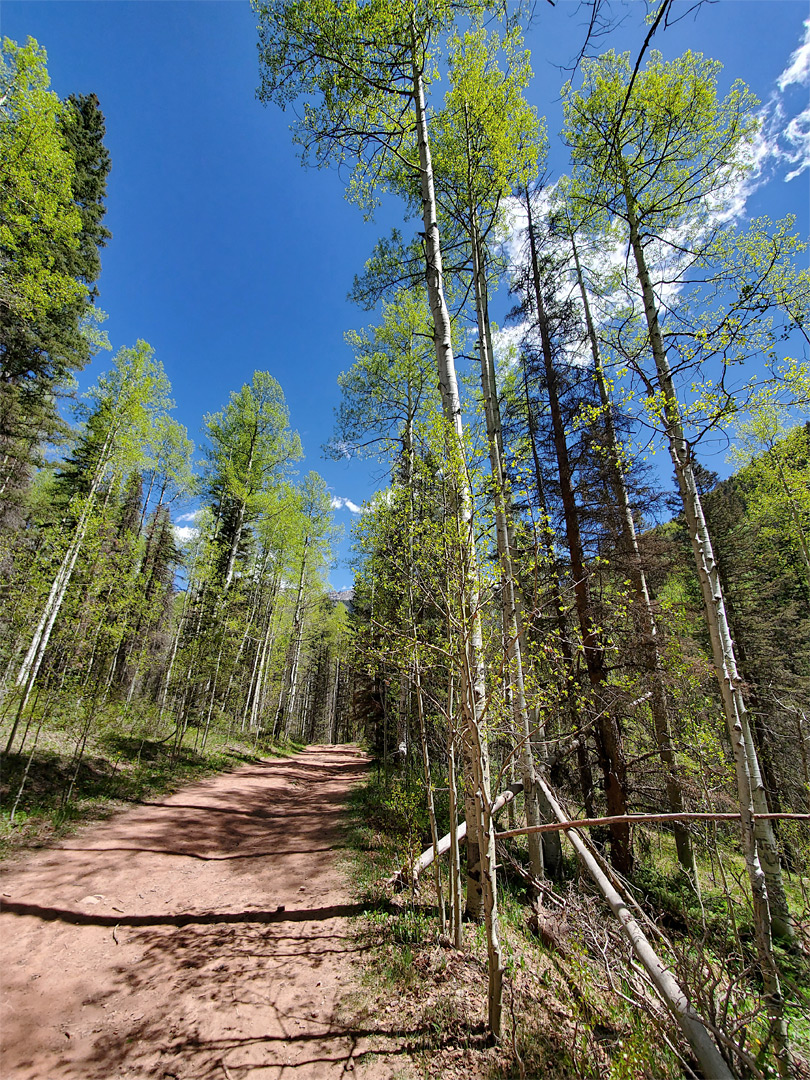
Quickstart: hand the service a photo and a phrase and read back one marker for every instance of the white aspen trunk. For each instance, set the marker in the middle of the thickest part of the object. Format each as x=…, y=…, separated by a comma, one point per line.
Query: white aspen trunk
x=211, y=699
x=240, y=518
x=333, y=712
x=445, y=843
x=758, y=841
x=452, y=839
x=240, y=523
x=258, y=689
x=509, y=602
x=252, y=706
x=775, y=910
x=32, y=660
x=255, y=600
x=147, y=497
x=703, y=1046
x=255, y=675
x=474, y=688
x=260, y=696
x=294, y=673
x=164, y=693
x=289, y=689
x=434, y=832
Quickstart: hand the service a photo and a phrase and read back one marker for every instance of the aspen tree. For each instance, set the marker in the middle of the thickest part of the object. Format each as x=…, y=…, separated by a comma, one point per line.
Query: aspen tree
x=662, y=163
x=250, y=450
x=127, y=401
x=315, y=514
x=647, y=622
x=364, y=69
x=487, y=142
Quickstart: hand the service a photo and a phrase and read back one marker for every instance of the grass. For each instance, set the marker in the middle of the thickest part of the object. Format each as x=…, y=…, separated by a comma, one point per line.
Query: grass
x=559, y=1022
x=574, y=1010
x=115, y=769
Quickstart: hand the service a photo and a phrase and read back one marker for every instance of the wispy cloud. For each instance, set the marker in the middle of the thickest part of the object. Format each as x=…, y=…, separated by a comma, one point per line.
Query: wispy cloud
x=781, y=143
x=192, y=516
x=797, y=73
x=339, y=503
x=784, y=137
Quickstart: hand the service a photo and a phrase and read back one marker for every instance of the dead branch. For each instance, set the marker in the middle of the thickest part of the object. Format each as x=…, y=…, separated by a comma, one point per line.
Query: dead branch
x=400, y=879
x=588, y=823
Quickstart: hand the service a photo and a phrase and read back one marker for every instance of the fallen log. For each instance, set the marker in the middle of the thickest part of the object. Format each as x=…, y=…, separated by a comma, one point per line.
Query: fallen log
x=694, y=1029
x=404, y=877
x=690, y=1023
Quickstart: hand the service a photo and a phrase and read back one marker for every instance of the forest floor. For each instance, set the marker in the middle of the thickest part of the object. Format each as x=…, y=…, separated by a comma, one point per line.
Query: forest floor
x=205, y=935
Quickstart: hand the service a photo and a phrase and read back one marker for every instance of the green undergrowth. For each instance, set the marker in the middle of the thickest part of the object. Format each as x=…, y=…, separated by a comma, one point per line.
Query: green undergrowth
x=574, y=1003
x=60, y=792
x=561, y=1018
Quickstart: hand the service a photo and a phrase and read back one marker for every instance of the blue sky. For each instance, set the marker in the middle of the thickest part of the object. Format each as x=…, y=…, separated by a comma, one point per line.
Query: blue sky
x=227, y=256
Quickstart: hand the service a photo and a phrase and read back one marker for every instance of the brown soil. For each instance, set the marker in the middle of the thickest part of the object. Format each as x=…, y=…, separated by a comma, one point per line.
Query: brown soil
x=203, y=936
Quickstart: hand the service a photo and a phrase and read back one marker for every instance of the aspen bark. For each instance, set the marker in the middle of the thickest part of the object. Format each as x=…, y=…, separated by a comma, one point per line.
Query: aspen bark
x=771, y=912
x=775, y=911
x=240, y=524
x=434, y=832
x=705, y=1050
x=509, y=601
x=474, y=687
x=286, y=701
x=481, y=874
x=452, y=843
x=29, y=668
x=455, y=836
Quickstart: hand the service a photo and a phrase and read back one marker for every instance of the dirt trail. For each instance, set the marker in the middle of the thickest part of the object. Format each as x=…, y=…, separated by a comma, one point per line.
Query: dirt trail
x=204, y=936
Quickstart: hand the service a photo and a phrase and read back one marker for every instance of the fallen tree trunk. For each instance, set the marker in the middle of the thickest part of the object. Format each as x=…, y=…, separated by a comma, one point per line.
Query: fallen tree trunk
x=693, y=1028
x=405, y=876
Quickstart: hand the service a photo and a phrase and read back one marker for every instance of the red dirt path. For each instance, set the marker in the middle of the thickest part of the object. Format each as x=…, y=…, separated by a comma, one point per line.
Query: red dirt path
x=204, y=936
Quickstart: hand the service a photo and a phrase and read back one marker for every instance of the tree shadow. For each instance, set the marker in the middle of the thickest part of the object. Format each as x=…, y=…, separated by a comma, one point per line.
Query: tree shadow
x=212, y=992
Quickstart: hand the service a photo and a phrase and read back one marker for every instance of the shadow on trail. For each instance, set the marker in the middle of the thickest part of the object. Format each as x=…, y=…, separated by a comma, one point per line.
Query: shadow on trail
x=214, y=987
x=244, y=825
x=208, y=918
x=213, y=858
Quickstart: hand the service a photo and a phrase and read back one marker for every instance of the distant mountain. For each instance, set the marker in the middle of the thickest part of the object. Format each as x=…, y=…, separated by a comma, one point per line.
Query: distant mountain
x=345, y=596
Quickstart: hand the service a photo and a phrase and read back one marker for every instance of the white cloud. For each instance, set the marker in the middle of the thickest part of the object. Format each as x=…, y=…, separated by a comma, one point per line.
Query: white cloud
x=784, y=137
x=184, y=533
x=797, y=73
x=797, y=134
x=779, y=139
x=188, y=517
x=339, y=503
x=506, y=342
